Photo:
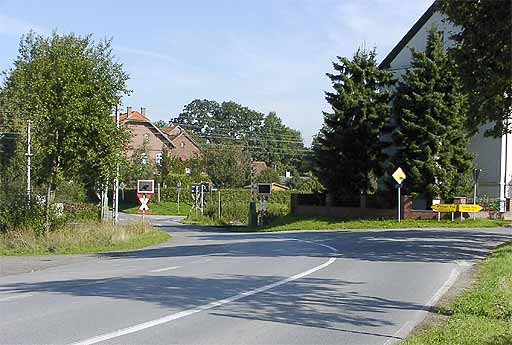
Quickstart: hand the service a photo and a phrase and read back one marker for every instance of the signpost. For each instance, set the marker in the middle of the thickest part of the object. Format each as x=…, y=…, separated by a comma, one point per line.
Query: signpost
x=145, y=188
x=178, y=191
x=399, y=177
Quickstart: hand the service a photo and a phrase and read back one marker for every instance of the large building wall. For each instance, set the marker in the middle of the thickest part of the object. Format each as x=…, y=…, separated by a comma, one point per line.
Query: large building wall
x=138, y=131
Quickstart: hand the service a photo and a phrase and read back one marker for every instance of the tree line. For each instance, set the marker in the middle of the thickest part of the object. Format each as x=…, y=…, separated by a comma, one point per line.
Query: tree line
x=423, y=121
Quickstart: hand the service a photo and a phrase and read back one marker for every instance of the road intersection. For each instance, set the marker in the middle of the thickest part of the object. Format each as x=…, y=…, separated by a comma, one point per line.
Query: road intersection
x=209, y=286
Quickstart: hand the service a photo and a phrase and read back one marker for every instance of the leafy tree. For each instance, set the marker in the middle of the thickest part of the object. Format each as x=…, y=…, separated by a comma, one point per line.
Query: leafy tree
x=268, y=175
x=229, y=123
x=484, y=55
x=348, y=148
x=430, y=134
x=278, y=144
x=227, y=165
x=68, y=85
x=160, y=123
x=138, y=166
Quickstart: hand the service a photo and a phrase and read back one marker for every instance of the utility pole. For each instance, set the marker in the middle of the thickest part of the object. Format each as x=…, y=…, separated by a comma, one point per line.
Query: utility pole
x=115, y=206
x=29, y=155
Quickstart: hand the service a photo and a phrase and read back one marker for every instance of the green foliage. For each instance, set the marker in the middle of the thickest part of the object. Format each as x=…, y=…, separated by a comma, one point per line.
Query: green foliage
x=348, y=148
x=67, y=85
x=228, y=166
x=160, y=123
x=305, y=184
x=229, y=123
x=430, y=133
x=484, y=55
x=268, y=175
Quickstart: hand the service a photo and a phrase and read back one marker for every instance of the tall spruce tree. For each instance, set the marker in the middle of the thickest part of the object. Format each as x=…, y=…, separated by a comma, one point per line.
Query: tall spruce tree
x=430, y=134
x=348, y=148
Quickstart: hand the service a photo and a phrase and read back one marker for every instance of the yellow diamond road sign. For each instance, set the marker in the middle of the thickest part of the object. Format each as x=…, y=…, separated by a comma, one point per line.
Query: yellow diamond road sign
x=399, y=175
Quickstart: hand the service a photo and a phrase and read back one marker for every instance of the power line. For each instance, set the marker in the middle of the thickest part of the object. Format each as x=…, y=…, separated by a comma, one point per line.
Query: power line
x=259, y=136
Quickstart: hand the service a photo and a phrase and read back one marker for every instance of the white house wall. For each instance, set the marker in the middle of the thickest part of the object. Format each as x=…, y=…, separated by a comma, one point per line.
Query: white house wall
x=490, y=153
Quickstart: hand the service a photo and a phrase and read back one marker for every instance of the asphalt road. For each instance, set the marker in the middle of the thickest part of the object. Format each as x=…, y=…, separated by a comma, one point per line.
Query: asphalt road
x=214, y=287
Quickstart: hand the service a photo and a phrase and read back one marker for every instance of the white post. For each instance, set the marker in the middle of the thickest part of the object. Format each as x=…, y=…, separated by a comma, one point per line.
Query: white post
x=29, y=155
x=158, y=186
x=178, y=201
x=202, y=199
x=219, y=205
x=399, y=203
x=116, y=182
x=474, y=200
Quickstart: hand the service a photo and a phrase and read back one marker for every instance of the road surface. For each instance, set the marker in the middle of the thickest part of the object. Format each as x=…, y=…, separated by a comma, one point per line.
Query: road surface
x=214, y=287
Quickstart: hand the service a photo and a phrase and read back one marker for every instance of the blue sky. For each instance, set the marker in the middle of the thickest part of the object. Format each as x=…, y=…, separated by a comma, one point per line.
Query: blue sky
x=268, y=55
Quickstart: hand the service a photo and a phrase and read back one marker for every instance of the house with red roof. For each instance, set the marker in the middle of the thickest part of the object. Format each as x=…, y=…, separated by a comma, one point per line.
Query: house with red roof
x=145, y=133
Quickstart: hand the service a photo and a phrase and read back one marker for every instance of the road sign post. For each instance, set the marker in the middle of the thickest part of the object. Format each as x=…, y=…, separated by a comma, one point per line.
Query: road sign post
x=145, y=188
x=178, y=191
x=399, y=177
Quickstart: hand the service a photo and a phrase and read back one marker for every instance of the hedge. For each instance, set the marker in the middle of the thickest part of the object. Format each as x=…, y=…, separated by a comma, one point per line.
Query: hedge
x=235, y=202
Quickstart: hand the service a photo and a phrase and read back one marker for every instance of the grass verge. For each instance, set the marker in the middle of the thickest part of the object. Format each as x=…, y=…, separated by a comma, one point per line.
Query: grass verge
x=163, y=208
x=481, y=315
x=88, y=237
x=317, y=223
x=303, y=223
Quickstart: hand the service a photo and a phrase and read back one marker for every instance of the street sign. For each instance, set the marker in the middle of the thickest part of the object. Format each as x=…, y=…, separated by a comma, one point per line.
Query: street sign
x=264, y=188
x=146, y=186
x=469, y=208
x=399, y=175
x=444, y=207
x=178, y=187
x=144, y=199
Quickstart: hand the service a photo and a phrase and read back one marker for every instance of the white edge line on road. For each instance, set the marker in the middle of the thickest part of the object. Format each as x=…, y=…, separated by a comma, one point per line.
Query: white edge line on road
x=172, y=317
x=164, y=269
x=409, y=325
x=15, y=297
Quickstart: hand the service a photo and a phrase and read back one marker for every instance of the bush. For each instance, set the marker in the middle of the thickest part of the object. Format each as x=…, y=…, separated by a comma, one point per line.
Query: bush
x=235, y=205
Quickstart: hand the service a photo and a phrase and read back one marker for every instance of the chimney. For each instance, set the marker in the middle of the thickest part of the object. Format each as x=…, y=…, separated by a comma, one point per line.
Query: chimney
x=128, y=111
x=143, y=111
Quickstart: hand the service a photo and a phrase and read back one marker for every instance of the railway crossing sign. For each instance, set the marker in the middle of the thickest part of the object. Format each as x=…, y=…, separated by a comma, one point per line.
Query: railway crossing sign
x=144, y=199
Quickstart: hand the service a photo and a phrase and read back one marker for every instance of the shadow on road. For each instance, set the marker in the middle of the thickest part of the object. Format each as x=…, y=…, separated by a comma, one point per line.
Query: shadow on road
x=325, y=303
x=382, y=246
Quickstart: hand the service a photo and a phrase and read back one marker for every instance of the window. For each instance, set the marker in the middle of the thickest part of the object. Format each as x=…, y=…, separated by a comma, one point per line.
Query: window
x=146, y=137
x=182, y=144
x=158, y=158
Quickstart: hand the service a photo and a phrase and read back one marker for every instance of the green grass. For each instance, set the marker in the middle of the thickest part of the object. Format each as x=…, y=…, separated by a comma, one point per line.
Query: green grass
x=305, y=223
x=88, y=237
x=482, y=315
x=163, y=208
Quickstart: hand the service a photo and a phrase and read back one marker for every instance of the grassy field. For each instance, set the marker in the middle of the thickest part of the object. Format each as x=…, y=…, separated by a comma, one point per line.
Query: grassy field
x=89, y=237
x=164, y=208
x=303, y=223
x=482, y=315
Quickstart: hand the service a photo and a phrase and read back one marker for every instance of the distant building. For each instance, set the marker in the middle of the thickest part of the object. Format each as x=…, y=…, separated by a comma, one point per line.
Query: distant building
x=144, y=132
x=259, y=167
x=492, y=155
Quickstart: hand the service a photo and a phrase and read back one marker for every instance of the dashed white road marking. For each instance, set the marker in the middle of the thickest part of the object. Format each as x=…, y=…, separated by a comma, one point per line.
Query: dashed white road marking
x=164, y=269
x=184, y=313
